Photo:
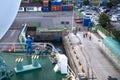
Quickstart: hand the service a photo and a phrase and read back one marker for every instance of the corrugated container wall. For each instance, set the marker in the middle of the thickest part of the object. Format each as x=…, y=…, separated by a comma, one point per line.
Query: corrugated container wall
x=52, y=3
x=53, y=8
x=55, y=3
x=90, y=24
x=70, y=7
x=60, y=8
x=56, y=8
x=86, y=21
x=45, y=3
x=64, y=7
x=45, y=9
x=58, y=3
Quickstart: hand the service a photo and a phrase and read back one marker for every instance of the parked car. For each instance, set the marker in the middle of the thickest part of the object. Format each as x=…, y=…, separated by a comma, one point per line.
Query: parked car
x=95, y=20
x=103, y=9
x=118, y=17
x=114, y=18
x=110, y=13
x=118, y=7
x=88, y=14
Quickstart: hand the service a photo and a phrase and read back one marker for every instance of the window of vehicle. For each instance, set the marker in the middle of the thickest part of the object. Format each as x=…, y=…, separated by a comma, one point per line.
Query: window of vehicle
x=88, y=14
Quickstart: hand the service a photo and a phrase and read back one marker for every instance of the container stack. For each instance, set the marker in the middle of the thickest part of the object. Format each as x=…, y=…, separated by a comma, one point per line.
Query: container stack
x=70, y=7
x=86, y=22
x=67, y=7
x=45, y=7
x=56, y=5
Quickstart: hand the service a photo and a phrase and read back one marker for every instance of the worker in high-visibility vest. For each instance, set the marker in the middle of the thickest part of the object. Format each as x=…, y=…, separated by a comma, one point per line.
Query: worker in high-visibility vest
x=29, y=41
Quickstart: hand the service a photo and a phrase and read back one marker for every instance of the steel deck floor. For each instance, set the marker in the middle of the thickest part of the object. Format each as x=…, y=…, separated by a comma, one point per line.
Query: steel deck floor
x=45, y=73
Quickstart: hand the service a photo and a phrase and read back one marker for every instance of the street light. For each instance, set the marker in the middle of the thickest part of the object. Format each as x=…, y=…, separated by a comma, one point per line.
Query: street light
x=72, y=19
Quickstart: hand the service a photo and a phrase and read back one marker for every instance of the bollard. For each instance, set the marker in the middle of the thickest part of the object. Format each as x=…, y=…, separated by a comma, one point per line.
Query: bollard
x=19, y=62
x=81, y=67
x=35, y=62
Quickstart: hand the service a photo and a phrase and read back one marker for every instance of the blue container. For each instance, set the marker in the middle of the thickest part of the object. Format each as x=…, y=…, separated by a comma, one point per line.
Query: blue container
x=65, y=8
x=58, y=3
x=90, y=24
x=45, y=9
x=58, y=38
x=86, y=21
x=53, y=3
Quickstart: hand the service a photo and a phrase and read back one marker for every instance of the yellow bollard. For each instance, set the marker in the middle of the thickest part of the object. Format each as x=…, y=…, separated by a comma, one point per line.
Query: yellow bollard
x=67, y=75
x=19, y=65
x=16, y=60
x=35, y=62
x=37, y=56
x=78, y=60
x=84, y=74
x=32, y=56
x=21, y=59
x=81, y=67
x=75, y=55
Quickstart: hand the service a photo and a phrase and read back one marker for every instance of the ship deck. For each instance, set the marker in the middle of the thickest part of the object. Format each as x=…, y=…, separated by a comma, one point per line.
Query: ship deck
x=44, y=73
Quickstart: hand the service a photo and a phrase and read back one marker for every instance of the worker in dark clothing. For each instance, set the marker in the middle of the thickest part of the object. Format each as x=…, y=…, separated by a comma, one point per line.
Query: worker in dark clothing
x=86, y=34
x=83, y=34
x=29, y=45
x=90, y=37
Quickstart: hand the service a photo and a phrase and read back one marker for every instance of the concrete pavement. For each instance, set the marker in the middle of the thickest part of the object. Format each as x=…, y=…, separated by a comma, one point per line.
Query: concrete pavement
x=91, y=56
x=99, y=63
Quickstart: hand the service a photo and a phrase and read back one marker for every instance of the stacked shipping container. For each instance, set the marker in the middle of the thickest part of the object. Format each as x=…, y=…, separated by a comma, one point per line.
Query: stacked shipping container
x=45, y=3
x=67, y=7
x=45, y=7
x=70, y=7
x=56, y=6
x=50, y=5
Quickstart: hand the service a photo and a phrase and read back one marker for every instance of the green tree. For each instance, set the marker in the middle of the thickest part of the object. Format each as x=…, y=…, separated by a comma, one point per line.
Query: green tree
x=104, y=21
x=36, y=1
x=64, y=2
x=116, y=34
x=110, y=5
x=86, y=2
x=114, y=2
x=40, y=1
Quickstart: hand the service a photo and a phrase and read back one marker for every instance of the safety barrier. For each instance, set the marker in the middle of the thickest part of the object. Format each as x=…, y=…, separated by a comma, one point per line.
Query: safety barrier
x=102, y=30
x=18, y=47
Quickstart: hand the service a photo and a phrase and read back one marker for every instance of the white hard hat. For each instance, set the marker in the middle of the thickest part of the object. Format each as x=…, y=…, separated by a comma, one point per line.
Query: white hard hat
x=28, y=36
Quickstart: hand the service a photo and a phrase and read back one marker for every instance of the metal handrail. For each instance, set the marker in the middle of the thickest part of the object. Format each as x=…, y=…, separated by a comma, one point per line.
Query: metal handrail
x=18, y=46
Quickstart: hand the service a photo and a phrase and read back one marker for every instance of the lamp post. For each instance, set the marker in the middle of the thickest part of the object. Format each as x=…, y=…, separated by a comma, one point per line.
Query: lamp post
x=72, y=19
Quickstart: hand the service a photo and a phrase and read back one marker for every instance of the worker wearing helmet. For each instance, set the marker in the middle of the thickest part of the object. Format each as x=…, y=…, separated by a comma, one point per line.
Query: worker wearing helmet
x=29, y=41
